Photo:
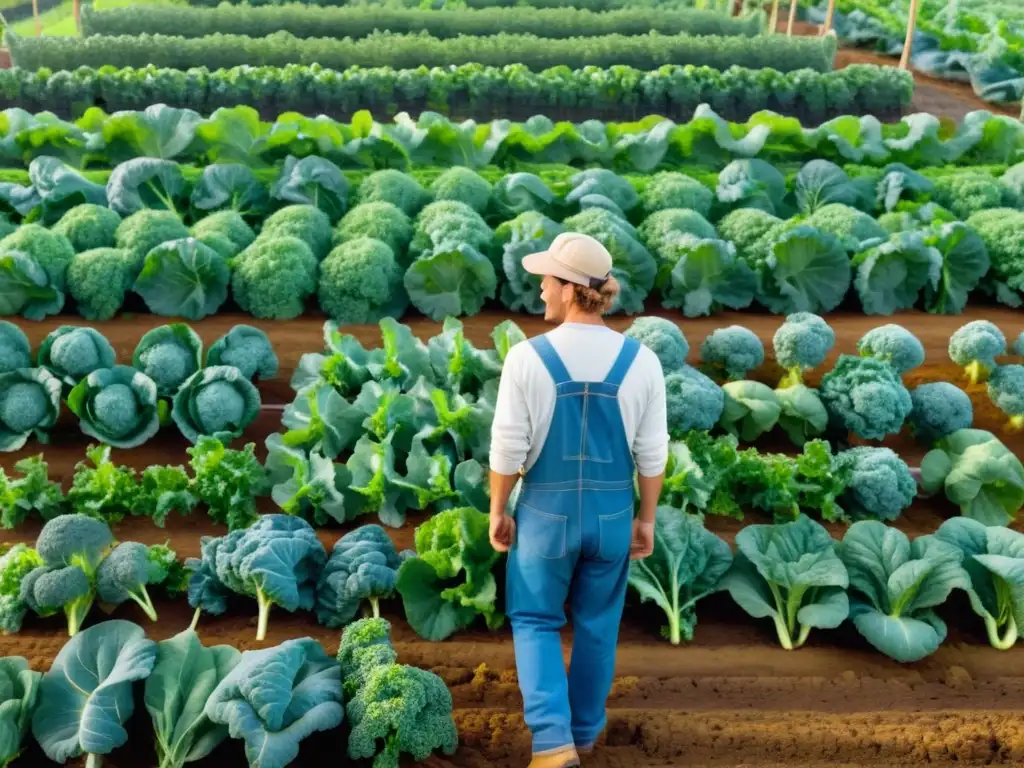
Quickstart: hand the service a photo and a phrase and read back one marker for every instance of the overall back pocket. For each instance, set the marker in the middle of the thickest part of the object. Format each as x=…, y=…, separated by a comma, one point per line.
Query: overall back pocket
x=541, y=534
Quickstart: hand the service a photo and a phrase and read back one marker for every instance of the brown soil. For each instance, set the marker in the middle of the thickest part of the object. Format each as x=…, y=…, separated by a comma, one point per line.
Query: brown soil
x=733, y=697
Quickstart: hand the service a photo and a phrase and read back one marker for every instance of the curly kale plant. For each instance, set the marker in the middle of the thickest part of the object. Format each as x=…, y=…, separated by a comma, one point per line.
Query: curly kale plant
x=218, y=401
x=363, y=566
x=32, y=492
x=277, y=561
x=227, y=481
x=276, y=697
x=118, y=406
x=15, y=564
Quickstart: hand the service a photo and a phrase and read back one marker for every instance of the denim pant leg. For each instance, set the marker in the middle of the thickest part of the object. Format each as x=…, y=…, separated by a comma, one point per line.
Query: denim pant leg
x=597, y=599
x=537, y=588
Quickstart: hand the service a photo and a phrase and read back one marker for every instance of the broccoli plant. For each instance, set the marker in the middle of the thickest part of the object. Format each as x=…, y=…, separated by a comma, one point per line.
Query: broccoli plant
x=463, y=185
x=692, y=401
x=363, y=566
x=801, y=343
x=277, y=561
x=686, y=565
x=304, y=222
x=865, y=396
x=272, y=278
x=361, y=282
x=124, y=574
x=392, y=186
x=791, y=573
x=663, y=337
x=895, y=345
x=731, y=353
x=939, y=409
x=1006, y=388
x=72, y=547
x=274, y=698
x=380, y=221
x=975, y=346
x=98, y=281
x=365, y=645
x=878, y=484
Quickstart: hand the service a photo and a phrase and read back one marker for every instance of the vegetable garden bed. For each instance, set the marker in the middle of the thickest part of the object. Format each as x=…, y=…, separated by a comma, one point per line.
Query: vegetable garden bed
x=732, y=696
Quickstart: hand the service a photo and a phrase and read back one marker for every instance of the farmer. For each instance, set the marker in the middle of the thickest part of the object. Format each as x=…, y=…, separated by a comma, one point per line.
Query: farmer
x=580, y=412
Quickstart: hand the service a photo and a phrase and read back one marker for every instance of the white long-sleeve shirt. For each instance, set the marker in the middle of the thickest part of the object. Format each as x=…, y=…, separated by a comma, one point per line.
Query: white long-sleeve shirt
x=526, y=398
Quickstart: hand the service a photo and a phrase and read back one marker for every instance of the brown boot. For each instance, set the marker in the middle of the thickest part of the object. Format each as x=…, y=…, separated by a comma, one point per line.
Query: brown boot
x=563, y=758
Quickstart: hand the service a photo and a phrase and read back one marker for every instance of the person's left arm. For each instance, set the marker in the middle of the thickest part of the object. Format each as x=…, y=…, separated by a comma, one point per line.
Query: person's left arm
x=650, y=452
x=510, y=445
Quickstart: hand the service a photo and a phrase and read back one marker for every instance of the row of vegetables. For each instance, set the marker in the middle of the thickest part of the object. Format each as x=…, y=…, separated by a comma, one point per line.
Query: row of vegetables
x=198, y=696
x=237, y=135
x=807, y=243
x=469, y=89
x=406, y=427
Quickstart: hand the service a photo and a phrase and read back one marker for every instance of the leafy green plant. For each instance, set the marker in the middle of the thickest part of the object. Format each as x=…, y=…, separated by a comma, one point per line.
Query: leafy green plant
x=791, y=573
x=72, y=352
x=183, y=278
x=19, y=695
x=218, y=401
x=449, y=581
x=184, y=676
x=895, y=585
x=29, y=406
x=686, y=565
x=117, y=406
x=86, y=699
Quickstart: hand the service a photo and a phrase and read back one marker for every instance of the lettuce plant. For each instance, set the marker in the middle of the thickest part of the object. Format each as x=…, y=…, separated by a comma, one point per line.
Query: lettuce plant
x=276, y=697
x=895, y=585
x=86, y=698
x=449, y=581
x=687, y=563
x=791, y=573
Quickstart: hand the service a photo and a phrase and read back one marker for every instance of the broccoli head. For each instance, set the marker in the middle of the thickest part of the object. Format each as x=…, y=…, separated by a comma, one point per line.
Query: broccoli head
x=51, y=251
x=746, y=228
x=305, y=222
x=273, y=277
x=865, y=396
x=732, y=352
x=365, y=645
x=50, y=589
x=449, y=221
x=75, y=539
x=693, y=401
x=1006, y=388
x=966, y=194
x=395, y=187
x=975, y=347
x=1000, y=229
x=664, y=338
x=98, y=281
x=853, y=228
x=227, y=224
x=879, y=483
x=464, y=185
x=661, y=227
x=895, y=345
x=407, y=709
x=670, y=189
x=143, y=231
x=124, y=574
x=361, y=282
x=381, y=221
x=939, y=409
x=802, y=343
x=88, y=227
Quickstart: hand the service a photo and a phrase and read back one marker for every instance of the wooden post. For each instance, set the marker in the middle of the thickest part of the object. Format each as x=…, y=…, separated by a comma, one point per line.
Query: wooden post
x=909, y=42
x=76, y=10
x=792, y=18
x=830, y=16
x=773, y=21
x=35, y=15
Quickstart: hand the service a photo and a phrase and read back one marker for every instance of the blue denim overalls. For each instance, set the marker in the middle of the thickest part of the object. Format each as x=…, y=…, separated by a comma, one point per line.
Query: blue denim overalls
x=574, y=521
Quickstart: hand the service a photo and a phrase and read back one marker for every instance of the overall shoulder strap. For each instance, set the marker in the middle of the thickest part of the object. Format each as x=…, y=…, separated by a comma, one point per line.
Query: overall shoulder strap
x=620, y=368
x=551, y=360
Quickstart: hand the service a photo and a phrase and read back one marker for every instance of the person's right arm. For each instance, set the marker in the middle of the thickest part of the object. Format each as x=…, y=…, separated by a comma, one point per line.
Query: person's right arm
x=650, y=452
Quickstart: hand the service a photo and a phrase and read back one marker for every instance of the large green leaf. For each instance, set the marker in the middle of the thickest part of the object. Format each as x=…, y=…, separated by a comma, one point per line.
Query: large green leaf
x=159, y=132
x=231, y=187
x=25, y=288
x=184, y=676
x=86, y=697
x=19, y=695
x=313, y=181
x=183, y=278
x=61, y=188
x=146, y=182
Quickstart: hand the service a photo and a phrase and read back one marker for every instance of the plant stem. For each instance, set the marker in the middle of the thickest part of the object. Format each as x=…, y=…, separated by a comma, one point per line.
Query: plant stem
x=792, y=18
x=195, y=619
x=773, y=21
x=93, y=761
x=908, y=45
x=264, y=604
x=830, y=16
x=375, y=604
x=145, y=603
x=1001, y=642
